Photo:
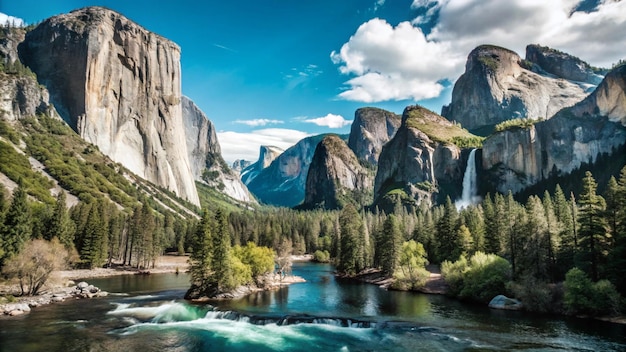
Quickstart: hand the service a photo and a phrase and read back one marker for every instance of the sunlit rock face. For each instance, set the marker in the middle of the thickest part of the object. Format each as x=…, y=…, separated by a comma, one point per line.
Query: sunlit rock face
x=414, y=162
x=205, y=154
x=118, y=85
x=498, y=85
x=267, y=154
x=283, y=182
x=562, y=65
x=335, y=175
x=521, y=157
x=371, y=129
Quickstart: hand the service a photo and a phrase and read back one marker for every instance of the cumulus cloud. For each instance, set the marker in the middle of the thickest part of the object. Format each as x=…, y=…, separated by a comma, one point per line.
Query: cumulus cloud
x=330, y=120
x=402, y=62
x=14, y=21
x=236, y=145
x=258, y=122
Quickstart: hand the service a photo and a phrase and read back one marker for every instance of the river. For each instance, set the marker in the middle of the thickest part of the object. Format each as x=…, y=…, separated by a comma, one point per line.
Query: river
x=146, y=313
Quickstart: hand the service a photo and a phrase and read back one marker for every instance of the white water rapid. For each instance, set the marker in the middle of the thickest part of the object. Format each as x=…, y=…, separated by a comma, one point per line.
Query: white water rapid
x=470, y=183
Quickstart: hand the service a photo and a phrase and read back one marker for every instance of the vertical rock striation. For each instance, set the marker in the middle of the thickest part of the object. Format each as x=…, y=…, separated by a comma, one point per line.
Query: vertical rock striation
x=371, y=129
x=521, y=157
x=283, y=182
x=416, y=162
x=335, y=176
x=267, y=154
x=205, y=154
x=118, y=85
x=498, y=85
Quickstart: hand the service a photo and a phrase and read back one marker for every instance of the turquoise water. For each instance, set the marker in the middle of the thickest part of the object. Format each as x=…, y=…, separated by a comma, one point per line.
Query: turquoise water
x=146, y=313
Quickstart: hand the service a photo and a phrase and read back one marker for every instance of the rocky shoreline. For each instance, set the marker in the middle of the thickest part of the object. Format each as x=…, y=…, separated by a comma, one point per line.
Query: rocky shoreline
x=81, y=290
x=270, y=283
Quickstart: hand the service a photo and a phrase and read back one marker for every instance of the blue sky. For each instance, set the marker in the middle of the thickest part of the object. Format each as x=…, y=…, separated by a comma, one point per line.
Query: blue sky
x=274, y=71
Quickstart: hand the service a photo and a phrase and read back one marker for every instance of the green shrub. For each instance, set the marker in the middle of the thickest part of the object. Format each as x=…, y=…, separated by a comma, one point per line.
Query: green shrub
x=534, y=294
x=520, y=123
x=582, y=296
x=321, y=256
x=480, y=279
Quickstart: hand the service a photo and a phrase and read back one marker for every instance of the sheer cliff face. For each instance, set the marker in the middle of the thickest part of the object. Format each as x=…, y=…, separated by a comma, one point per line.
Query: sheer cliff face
x=370, y=130
x=519, y=158
x=118, y=85
x=414, y=162
x=283, y=182
x=207, y=164
x=267, y=154
x=498, y=86
x=335, y=175
x=562, y=64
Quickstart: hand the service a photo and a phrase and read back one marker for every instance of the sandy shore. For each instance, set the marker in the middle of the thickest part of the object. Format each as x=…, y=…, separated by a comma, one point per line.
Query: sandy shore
x=164, y=264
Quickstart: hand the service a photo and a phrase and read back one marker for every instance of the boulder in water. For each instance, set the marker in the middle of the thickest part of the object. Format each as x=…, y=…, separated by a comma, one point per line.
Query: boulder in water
x=504, y=302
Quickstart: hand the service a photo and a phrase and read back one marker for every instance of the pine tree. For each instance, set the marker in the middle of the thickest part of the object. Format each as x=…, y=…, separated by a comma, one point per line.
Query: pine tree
x=92, y=253
x=494, y=225
x=567, y=247
x=447, y=234
x=61, y=226
x=473, y=219
x=350, y=228
x=534, y=257
x=592, y=231
x=617, y=257
x=16, y=229
x=201, y=254
x=390, y=244
x=222, y=276
x=553, y=235
x=612, y=197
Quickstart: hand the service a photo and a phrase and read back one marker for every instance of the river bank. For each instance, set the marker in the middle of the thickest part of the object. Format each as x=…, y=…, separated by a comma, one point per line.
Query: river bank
x=62, y=284
x=435, y=284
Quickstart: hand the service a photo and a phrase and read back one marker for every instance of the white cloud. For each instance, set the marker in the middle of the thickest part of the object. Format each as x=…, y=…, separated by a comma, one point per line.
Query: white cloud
x=330, y=120
x=258, y=122
x=396, y=63
x=4, y=19
x=236, y=145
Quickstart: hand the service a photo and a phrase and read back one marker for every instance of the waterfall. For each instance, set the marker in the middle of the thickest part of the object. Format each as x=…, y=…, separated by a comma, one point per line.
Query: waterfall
x=470, y=184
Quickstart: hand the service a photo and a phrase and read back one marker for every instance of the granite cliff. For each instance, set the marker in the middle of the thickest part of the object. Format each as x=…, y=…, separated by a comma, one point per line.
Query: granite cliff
x=283, y=182
x=520, y=157
x=371, y=129
x=117, y=85
x=205, y=154
x=498, y=85
x=422, y=158
x=563, y=65
x=267, y=154
x=336, y=177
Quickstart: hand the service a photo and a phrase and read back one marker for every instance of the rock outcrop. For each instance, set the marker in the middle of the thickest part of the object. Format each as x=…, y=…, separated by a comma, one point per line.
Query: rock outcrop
x=118, y=85
x=562, y=65
x=239, y=165
x=517, y=158
x=371, y=129
x=10, y=38
x=418, y=163
x=22, y=97
x=207, y=164
x=335, y=176
x=498, y=85
x=283, y=182
x=267, y=154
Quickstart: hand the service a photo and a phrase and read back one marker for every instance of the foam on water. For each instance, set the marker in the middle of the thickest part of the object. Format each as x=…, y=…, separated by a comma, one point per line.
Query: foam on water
x=233, y=330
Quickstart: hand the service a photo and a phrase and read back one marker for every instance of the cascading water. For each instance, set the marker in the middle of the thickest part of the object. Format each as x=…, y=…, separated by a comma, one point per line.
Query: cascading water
x=470, y=184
